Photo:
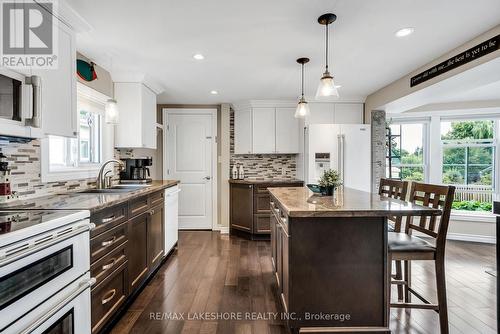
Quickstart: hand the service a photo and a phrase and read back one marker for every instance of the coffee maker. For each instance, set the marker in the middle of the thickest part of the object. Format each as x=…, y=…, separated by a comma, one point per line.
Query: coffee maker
x=136, y=170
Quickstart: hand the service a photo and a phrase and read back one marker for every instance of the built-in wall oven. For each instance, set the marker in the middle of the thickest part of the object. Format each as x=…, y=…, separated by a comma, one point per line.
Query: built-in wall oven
x=44, y=272
x=20, y=104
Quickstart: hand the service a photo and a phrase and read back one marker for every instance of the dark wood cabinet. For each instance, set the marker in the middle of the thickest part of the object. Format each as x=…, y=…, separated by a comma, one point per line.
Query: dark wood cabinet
x=127, y=246
x=249, y=206
x=155, y=237
x=108, y=296
x=138, y=257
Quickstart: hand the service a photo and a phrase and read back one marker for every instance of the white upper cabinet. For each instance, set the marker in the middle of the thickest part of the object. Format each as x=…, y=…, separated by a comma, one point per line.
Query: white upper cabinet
x=59, y=114
x=335, y=113
x=349, y=113
x=243, y=131
x=264, y=130
x=321, y=113
x=137, y=107
x=287, y=131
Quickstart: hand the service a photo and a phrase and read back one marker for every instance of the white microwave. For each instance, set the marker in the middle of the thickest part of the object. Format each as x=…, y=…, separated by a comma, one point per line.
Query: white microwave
x=20, y=105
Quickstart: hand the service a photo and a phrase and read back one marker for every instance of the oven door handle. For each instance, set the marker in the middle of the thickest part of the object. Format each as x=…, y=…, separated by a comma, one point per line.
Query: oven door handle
x=84, y=285
x=38, y=247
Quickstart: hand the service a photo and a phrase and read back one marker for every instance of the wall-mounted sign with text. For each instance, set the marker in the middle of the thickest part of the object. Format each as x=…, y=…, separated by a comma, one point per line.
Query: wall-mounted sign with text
x=460, y=59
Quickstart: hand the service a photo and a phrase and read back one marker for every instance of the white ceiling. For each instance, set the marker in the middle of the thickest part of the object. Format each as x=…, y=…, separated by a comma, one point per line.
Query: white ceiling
x=251, y=46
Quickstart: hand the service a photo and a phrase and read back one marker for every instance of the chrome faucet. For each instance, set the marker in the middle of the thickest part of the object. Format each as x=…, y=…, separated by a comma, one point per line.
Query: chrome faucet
x=101, y=177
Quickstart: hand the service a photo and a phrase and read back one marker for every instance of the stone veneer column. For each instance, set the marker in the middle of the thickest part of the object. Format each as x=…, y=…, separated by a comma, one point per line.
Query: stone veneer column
x=378, y=147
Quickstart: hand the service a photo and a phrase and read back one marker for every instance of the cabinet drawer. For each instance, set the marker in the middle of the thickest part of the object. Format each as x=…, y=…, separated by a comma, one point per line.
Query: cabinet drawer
x=261, y=224
x=156, y=198
x=104, y=242
x=108, y=218
x=138, y=206
x=101, y=268
x=108, y=296
x=261, y=203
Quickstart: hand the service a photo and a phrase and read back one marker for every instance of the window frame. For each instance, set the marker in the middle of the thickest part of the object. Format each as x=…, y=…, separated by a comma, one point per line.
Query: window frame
x=435, y=148
x=425, y=146
x=472, y=143
x=82, y=170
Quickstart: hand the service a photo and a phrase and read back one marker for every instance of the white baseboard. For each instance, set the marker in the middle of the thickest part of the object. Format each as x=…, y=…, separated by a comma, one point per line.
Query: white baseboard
x=222, y=229
x=472, y=238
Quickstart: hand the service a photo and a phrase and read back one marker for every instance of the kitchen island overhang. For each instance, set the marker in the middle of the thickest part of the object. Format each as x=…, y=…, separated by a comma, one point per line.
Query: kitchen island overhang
x=329, y=256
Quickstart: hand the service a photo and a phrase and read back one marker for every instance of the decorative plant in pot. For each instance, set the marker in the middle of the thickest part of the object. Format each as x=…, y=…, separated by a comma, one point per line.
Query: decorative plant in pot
x=329, y=181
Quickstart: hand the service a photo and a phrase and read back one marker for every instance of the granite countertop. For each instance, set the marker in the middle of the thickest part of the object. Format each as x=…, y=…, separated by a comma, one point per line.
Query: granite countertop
x=347, y=202
x=264, y=181
x=86, y=201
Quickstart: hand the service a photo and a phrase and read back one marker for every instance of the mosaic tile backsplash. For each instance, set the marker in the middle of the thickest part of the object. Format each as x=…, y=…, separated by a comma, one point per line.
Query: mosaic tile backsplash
x=262, y=166
x=24, y=162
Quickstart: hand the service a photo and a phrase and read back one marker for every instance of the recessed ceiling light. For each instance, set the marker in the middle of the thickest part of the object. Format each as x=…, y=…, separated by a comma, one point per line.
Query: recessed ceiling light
x=214, y=92
x=404, y=32
x=199, y=56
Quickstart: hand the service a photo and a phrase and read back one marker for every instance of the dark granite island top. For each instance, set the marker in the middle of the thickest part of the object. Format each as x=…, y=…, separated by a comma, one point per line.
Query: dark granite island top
x=86, y=201
x=330, y=258
x=347, y=202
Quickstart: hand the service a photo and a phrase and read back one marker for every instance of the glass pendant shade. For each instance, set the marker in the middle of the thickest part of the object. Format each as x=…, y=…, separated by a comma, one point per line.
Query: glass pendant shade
x=302, y=110
x=327, y=87
x=111, y=112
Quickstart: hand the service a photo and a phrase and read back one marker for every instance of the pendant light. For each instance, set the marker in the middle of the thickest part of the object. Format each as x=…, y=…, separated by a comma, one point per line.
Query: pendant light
x=326, y=84
x=302, y=110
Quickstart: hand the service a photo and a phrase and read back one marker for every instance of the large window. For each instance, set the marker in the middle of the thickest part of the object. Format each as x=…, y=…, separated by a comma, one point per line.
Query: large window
x=468, y=150
x=405, y=151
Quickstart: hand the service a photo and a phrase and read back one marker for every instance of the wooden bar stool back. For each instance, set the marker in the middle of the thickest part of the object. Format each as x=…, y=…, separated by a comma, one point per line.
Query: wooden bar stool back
x=394, y=189
x=406, y=247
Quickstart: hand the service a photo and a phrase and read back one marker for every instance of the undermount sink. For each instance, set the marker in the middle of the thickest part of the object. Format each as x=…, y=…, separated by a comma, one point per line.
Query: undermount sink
x=122, y=188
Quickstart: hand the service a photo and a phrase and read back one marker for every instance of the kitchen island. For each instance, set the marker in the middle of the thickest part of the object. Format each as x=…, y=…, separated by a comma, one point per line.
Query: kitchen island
x=330, y=258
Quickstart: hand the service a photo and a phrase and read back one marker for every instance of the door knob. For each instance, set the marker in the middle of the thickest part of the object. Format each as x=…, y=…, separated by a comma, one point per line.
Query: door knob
x=207, y=177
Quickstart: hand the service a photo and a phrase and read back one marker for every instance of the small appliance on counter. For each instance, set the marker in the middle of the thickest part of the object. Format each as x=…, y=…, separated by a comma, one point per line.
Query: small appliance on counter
x=136, y=170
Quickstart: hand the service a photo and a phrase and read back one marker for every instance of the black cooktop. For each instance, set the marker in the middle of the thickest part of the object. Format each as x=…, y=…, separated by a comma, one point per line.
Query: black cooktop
x=11, y=221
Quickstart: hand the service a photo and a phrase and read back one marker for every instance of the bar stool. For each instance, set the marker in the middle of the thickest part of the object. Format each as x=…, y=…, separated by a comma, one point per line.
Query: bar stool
x=405, y=247
x=395, y=189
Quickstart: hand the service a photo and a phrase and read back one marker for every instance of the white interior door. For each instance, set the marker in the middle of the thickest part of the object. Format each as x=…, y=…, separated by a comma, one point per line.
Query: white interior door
x=189, y=148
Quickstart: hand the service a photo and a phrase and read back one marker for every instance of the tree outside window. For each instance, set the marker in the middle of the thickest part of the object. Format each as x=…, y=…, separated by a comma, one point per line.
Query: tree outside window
x=405, y=153
x=468, y=162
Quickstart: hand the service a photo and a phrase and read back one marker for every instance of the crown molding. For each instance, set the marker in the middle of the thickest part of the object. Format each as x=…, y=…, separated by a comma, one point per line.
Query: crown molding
x=138, y=77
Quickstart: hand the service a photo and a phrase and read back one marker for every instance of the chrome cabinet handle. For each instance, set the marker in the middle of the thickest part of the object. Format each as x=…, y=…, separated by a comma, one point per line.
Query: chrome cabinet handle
x=109, y=265
x=109, y=242
x=107, y=220
x=151, y=212
x=111, y=294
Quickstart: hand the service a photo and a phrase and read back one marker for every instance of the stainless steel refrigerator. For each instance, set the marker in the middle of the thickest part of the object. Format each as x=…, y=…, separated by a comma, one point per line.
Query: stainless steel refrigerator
x=343, y=147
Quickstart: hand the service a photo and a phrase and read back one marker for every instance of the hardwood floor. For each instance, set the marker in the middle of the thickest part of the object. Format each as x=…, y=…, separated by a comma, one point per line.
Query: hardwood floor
x=216, y=273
